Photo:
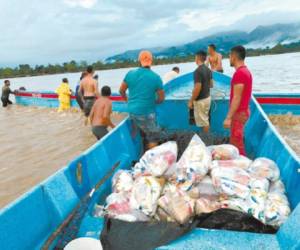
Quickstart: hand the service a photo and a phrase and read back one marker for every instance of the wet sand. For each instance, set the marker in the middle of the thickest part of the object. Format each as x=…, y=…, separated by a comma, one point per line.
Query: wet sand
x=289, y=127
x=35, y=143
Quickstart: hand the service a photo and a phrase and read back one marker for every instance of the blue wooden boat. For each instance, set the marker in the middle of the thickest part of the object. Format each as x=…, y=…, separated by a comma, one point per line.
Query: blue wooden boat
x=34, y=220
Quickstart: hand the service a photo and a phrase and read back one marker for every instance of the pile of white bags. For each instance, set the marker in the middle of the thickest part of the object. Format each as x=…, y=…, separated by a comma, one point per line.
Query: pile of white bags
x=203, y=180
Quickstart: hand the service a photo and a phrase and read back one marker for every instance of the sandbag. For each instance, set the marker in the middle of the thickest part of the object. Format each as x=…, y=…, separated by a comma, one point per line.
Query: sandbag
x=193, y=164
x=264, y=168
x=157, y=160
x=145, y=193
x=224, y=152
x=122, y=181
x=231, y=181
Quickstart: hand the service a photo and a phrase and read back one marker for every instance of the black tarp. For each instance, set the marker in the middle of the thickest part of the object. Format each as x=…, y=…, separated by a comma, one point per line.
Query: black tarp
x=122, y=235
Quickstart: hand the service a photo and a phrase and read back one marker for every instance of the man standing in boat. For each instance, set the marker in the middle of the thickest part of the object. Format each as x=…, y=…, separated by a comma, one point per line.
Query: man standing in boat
x=89, y=88
x=240, y=96
x=145, y=90
x=214, y=59
x=201, y=99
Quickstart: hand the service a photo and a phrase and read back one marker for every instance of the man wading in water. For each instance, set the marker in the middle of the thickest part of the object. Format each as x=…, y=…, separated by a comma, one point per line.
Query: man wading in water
x=145, y=90
x=6, y=91
x=100, y=114
x=89, y=88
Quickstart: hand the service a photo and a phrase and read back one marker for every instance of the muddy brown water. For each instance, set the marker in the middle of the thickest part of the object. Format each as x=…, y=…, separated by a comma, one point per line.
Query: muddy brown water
x=35, y=143
x=289, y=127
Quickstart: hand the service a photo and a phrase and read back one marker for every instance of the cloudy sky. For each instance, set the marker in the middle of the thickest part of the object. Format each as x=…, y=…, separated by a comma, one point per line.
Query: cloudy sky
x=54, y=31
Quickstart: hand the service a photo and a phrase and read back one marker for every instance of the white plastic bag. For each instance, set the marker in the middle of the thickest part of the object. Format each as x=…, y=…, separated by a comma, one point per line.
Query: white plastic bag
x=224, y=152
x=253, y=204
x=134, y=215
x=122, y=181
x=262, y=184
x=117, y=204
x=277, y=187
x=145, y=193
x=157, y=160
x=231, y=181
x=193, y=164
x=264, y=168
x=204, y=205
x=177, y=205
x=205, y=189
x=277, y=209
x=242, y=162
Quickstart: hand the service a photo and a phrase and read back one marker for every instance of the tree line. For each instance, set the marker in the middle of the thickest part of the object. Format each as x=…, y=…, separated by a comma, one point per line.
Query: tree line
x=69, y=67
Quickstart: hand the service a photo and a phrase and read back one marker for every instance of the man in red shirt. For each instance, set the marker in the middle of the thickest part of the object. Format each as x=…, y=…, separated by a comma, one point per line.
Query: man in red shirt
x=240, y=96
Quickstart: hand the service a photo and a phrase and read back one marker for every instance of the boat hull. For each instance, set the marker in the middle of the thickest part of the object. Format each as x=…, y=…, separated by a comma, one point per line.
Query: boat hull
x=28, y=222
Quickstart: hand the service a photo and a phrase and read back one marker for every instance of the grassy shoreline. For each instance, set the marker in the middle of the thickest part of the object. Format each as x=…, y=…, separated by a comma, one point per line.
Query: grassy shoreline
x=25, y=70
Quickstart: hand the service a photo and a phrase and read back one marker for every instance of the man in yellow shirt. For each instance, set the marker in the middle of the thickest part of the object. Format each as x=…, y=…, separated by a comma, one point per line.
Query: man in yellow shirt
x=64, y=95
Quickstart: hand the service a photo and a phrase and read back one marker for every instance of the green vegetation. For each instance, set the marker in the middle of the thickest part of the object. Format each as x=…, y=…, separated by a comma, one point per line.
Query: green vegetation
x=73, y=66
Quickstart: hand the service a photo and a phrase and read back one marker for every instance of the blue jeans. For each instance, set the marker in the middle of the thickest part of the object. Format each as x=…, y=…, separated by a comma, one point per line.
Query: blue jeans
x=148, y=125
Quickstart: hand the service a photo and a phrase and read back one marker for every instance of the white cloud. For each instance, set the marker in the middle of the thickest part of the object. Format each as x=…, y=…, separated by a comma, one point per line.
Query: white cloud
x=82, y=3
x=95, y=29
x=225, y=13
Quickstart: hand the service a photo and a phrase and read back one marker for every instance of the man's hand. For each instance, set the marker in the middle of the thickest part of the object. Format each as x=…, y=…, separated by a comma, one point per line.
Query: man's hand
x=227, y=123
x=191, y=104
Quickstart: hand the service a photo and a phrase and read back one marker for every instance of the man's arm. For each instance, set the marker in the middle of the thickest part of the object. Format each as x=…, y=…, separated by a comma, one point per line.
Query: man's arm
x=160, y=96
x=97, y=93
x=123, y=89
x=237, y=97
x=80, y=90
x=219, y=62
x=195, y=94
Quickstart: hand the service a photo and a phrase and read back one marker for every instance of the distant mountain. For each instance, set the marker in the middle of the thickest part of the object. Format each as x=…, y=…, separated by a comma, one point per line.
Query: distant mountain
x=260, y=37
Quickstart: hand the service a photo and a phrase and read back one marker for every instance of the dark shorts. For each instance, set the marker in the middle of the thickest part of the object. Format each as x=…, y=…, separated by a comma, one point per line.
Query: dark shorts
x=99, y=131
x=148, y=125
x=5, y=102
x=88, y=104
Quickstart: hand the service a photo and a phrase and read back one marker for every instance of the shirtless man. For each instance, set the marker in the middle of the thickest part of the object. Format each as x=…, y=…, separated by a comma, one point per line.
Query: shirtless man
x=89, y=88
x=100, y=114
x=214, y=59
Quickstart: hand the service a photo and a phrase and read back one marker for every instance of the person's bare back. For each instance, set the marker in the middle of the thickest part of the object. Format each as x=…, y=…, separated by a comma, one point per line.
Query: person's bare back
x=89, y=87
x=101, y=111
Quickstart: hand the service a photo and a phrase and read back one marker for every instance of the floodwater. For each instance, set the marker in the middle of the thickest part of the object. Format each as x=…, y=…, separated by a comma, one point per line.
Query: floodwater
x=271, y=73
x=289, y=127
x=35, y=143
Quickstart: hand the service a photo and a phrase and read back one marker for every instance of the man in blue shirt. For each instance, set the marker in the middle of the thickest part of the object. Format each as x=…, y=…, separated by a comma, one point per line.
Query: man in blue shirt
x=145, y=91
